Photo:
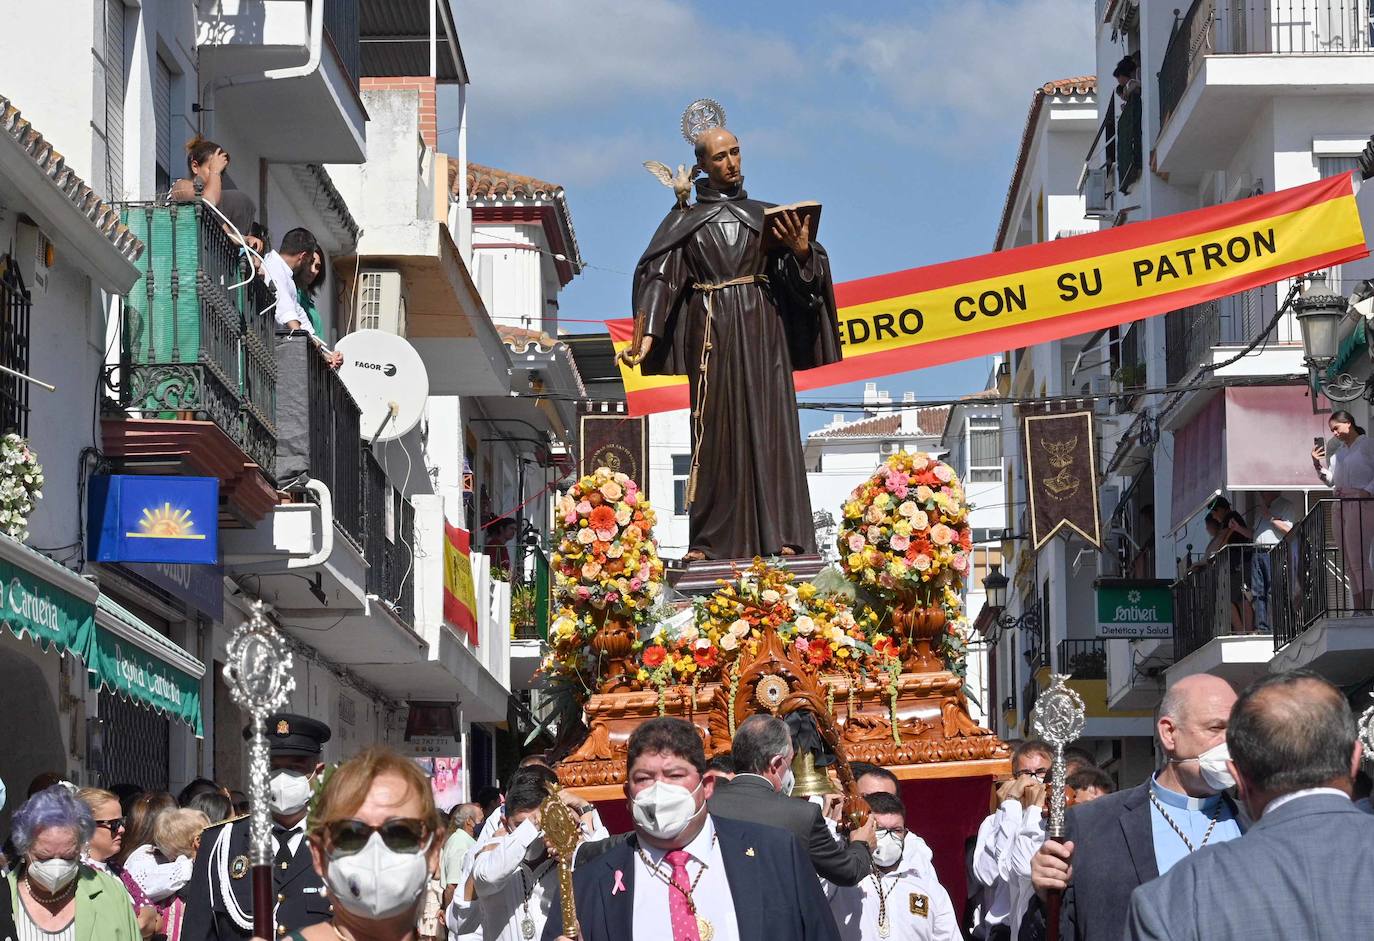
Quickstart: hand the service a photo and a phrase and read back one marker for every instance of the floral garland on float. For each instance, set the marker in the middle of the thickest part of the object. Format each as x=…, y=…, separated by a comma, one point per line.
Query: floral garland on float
x=607, y=574
x=905, y=539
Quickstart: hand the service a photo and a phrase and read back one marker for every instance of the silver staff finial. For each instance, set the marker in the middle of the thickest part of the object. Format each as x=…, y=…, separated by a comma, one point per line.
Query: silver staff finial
x=258, y=671
x=1058, y=719
x=1367, y=731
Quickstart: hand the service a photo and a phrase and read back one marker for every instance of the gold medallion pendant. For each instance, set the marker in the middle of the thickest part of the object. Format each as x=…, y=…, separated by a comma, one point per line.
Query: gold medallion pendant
x=705, y=929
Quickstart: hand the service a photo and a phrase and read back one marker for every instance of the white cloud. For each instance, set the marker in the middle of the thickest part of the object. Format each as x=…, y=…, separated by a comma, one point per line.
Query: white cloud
x=954, y=70
x=530, y=57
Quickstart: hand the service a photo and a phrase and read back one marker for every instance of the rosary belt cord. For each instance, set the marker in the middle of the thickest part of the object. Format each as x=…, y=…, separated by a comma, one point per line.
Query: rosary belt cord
x=703, y=372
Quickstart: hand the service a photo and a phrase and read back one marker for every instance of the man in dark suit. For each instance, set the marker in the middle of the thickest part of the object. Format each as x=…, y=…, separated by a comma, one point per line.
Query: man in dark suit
x=1304, y=869
x=219, y=897
x=762, y=749
x=686, y=875
x=1124, y=840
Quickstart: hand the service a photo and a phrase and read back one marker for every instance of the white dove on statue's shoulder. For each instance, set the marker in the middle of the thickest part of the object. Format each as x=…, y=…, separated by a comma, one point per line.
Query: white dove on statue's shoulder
x=680, y=183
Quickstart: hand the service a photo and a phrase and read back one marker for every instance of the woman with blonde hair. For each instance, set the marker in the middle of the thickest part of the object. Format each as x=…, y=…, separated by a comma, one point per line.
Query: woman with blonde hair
x=375, y=836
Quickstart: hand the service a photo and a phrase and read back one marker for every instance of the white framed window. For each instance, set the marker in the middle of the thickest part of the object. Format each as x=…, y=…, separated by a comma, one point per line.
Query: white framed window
x=682, y=468
x=984, y=450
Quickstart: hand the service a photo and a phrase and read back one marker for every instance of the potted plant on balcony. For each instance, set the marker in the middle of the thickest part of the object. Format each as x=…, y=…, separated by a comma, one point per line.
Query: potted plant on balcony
x=905, y=539
x=21, y=485
x=607, y=574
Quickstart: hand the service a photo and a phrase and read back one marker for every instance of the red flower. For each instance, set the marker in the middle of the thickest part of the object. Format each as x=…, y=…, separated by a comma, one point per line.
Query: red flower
x=885, y=645
x=818, y=654
x=705, y=657
x=654, y=656
x=603, y=519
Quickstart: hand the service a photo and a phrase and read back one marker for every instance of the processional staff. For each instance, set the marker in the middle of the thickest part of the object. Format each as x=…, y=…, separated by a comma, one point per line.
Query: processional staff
x=258, y=671
x=1057, y=719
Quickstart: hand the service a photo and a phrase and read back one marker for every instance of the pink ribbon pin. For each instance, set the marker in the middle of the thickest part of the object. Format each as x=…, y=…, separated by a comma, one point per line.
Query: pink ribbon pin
x=619, y=882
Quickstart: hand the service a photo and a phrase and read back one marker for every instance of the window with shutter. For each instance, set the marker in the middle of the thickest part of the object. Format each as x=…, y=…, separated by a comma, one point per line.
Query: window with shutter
x=162, y=118
x=113, y=62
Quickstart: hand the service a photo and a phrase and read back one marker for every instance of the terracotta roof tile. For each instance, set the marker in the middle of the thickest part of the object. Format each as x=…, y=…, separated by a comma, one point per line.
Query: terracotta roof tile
x=99, y=213
x=490, y=183
x=930, y=421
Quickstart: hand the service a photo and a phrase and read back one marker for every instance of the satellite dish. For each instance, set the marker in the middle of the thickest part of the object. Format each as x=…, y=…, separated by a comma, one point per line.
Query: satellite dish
x=388, y=381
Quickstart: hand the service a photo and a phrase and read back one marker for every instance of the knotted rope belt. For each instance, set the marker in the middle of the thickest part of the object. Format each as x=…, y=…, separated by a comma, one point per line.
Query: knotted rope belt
x=703, y=381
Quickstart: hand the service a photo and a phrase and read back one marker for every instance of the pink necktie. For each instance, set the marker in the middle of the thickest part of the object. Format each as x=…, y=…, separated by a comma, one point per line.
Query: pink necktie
x=684, y=922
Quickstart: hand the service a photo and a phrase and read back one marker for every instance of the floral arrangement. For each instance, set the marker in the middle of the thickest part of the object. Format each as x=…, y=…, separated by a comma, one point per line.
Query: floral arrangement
x=822, y=626
x=905, y=532
x=606, y=562
x=606, y=554
x=21, y=485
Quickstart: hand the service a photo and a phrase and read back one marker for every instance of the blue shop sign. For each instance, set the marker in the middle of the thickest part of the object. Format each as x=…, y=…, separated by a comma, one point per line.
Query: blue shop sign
x=200, y=586
x=145, y=518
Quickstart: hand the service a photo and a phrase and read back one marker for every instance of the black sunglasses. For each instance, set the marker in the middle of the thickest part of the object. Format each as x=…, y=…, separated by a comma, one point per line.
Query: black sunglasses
x=1038, y=775
x=114, y=825
x=400, y=834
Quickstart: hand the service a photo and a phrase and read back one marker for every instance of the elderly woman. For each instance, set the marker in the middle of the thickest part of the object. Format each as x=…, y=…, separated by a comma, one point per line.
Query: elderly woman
x=375, y=837
x=57, y=897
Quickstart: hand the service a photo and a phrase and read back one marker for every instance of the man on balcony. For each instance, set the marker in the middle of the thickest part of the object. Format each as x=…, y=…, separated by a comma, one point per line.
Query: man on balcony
x=287, y=270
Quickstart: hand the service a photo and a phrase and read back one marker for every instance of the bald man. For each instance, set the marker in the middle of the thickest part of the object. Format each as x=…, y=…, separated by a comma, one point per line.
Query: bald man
x=1124, y=840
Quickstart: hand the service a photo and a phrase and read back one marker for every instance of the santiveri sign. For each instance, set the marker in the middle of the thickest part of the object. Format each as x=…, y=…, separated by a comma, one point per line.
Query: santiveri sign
x=1135, y=610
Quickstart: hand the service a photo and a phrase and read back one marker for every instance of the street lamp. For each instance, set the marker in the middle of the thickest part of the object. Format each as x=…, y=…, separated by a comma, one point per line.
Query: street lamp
x=995, y=587
x=1319, y=312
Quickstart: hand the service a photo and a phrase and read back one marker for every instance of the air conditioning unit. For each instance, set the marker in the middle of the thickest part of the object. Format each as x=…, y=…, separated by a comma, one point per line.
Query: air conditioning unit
x=888, y=448
x=1095, y=194
x=381, y=301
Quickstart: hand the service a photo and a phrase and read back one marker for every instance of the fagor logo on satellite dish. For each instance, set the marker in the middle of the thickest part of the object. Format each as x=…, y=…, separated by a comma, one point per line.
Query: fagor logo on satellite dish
x=386, y=369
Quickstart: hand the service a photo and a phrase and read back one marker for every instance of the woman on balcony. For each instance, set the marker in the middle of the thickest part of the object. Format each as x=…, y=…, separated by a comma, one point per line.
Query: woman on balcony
x=1351, y=478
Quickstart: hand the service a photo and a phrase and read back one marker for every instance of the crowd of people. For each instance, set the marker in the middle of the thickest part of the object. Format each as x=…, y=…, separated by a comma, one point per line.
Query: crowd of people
x=1248, y=829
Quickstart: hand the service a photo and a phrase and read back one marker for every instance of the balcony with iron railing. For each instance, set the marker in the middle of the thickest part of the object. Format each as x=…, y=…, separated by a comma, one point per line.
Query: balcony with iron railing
x=1192, y=333
x=1220, y=597
x=1323, y=577
x=389, y=541
x=1214, y=45
x=194, y=342
x=1083, y=659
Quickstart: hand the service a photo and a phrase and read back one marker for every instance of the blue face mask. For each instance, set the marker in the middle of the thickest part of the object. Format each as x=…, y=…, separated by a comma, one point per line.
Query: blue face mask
x=2, y=794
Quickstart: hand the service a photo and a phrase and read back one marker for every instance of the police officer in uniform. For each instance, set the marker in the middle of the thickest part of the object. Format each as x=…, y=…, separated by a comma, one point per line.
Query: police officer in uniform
x=219, y=897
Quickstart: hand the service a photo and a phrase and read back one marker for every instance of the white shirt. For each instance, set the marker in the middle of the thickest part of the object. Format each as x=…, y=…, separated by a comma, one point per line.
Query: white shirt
x=297, y=833
x=276, y=273
x=158, y=880
x=712, y=895
x=502, y=878
x=1278, y=802
x=917, y=906
x=1352, y=467
x=992, y=862
x=1029, y=838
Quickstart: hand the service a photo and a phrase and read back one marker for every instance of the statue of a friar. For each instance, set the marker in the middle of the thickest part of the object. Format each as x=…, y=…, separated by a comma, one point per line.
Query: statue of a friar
x=710, y=304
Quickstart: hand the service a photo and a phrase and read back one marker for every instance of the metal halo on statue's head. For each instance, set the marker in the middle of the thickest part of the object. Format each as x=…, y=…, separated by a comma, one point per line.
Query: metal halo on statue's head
x=1059, y=714
x=1367, y=732
x=700, y=116
x=258, y=668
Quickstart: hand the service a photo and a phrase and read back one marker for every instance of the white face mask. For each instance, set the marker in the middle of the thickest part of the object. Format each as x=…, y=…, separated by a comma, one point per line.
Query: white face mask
x=664, y=810
x=889, y=850
x=52, y=874
x=288, y=792
x=789, y=781
x=378, y=882
x=1212, y=764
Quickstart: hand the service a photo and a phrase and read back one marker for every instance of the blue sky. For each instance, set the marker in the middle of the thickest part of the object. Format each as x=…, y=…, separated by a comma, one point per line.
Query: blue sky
x=902, y=118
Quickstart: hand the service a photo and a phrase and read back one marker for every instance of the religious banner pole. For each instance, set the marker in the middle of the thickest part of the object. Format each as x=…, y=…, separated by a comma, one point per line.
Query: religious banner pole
x=1058, y=719
x=562, y=833
x=258, y=671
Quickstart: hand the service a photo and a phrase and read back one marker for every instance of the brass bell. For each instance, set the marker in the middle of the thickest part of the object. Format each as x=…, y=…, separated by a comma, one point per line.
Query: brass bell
x=810, y=781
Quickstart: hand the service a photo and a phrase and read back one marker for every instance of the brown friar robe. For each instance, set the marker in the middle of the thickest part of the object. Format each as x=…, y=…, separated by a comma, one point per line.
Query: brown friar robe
x=751, y=496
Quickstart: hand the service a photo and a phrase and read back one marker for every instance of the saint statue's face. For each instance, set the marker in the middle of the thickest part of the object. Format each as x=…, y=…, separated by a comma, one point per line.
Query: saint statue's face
x=718, y=155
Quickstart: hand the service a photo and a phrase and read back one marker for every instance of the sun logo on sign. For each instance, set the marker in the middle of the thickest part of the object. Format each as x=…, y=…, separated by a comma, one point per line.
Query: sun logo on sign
x=166, y=522
x=1133, y=597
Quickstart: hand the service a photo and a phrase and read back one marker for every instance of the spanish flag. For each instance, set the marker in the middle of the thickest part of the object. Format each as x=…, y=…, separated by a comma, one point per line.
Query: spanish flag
x=460, y=600
x=1037, y=293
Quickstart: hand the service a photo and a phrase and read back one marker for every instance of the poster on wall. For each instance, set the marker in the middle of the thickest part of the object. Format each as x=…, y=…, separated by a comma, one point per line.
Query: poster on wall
x=446, y=778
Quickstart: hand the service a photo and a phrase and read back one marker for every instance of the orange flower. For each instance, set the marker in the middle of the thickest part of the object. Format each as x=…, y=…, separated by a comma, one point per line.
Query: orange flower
x=603, y=519
x=654, y=656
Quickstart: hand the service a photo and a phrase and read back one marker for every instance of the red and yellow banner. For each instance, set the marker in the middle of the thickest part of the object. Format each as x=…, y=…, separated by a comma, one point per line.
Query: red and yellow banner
x=1037, y=293
x=460, y=600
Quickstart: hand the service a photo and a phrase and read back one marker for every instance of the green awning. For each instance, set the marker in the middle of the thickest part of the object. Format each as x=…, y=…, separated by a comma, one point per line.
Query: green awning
x=130, y=658
x=1350, y=346
x=35, y=605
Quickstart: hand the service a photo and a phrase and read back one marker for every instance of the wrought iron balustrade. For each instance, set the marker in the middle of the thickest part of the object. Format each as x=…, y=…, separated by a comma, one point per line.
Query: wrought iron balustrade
x=1083, y=659
x=1129, y=143
x=341, y=25
x=1216, y=598
x=1259, y=27
x=389, y=540
x=193, y=342
x=1322, y=567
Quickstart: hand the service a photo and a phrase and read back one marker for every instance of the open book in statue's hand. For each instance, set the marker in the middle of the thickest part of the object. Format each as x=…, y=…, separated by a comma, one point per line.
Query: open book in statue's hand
x=805, y=211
